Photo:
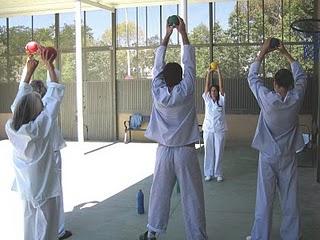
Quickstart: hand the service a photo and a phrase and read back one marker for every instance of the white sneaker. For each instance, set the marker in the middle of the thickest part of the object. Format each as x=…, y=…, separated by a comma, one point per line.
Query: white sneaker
x=248, y=238
x=220, y=179
x=208, y=178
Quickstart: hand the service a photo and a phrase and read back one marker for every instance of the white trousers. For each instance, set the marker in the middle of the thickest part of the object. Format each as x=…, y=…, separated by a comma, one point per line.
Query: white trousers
x=177, y=164
x=61, y=229
x=213, y=151
x=41, y=223
x=277, y=172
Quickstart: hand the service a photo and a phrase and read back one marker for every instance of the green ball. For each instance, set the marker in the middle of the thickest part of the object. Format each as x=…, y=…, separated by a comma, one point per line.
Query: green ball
x=173, y=20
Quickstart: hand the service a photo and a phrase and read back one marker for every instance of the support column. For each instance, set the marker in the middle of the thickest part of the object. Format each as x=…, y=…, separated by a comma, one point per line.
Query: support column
x=79, y=71
x=183, y=14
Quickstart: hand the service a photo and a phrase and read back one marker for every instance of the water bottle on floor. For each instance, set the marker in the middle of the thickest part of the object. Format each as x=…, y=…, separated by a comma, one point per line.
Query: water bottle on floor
x=140, y=202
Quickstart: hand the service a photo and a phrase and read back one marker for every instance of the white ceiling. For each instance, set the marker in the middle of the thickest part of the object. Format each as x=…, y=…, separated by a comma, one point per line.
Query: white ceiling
x=37, y=7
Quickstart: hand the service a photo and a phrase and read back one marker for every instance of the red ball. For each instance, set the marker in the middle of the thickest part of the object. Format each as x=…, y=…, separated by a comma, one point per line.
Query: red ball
x=32, y=47
x=52, y=52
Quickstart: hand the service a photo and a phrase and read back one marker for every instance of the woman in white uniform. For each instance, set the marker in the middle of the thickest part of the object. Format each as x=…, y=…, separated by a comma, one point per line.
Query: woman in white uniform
x=32, y=134
x=214, y=127
x=38, y=86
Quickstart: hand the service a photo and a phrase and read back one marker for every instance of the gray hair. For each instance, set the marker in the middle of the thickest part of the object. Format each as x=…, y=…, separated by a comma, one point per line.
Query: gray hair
x=39, y=87
x=26, y=110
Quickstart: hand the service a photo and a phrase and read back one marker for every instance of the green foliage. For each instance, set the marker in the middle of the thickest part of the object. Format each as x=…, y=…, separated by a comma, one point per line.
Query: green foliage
x=234, y=47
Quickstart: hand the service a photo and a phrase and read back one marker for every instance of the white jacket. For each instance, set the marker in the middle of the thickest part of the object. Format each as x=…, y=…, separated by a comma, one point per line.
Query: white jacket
x=33, y=159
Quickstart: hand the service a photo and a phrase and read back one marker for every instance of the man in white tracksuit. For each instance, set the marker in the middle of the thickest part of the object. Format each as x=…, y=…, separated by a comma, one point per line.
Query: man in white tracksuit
x=24, y=88
x=277, y=138
x=36, y=174
x=173, y=124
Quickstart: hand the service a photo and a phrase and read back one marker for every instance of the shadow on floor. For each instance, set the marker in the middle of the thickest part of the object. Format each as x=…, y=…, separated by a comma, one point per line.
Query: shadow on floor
x=229, y=205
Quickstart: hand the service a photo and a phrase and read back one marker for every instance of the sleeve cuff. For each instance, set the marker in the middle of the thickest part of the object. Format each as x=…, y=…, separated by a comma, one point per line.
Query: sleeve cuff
x=295, y=63
x=55, y=85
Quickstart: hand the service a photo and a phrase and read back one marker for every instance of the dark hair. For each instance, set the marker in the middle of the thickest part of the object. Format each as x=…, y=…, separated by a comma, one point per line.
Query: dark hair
x=284, y=78
x=39, y=87
x=26, y=110
x=218, y=89
x=172, y=73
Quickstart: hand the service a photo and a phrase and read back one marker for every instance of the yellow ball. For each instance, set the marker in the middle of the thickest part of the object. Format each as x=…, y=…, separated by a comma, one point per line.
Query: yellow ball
x=213, y=65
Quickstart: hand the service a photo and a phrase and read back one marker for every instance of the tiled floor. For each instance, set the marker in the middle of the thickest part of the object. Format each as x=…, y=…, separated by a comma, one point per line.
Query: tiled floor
x=100, y=194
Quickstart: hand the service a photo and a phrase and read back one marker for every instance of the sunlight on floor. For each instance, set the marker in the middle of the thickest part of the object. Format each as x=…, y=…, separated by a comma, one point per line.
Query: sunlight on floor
x=87, y=178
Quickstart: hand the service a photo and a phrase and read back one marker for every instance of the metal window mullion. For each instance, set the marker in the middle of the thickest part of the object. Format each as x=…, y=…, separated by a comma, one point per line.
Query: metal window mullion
x=57, y=42
x=84, y=50
x=214, y=21
x=263, y=37
x=237, y=30
x=248, y=22
x=160, y=23
x=178, y=13
x=146, y=24
x=8, y=50
x=32, y=28
x=136, y=47
x=238, y=40
x=210, y=32
x=282, y=27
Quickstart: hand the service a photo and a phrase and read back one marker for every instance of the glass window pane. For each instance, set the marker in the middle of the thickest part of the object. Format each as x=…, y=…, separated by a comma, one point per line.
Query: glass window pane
x=98, y=28
x=67, y=35
x=142, y=26
x=19, y=34
x=294, y=10
x=298, y=52
x=3, y=36
x=243, y=27
x=16, y=64
x=168, y=10
x=202, y=61
x=273, y=62
x=3, y=50
x=126, y=64
x=98, y=66
x=247, y=55
x=153, y=26
x=272, y=19
x=225, y=27
x=173, y=55
x=68, y=67
x=145, y=64
x=255, y=21
x=3, y=69
x=44, y=29
x=227, y=57
x=286, y=21
x=198, y=23
x=126, y=27
x=40, y=73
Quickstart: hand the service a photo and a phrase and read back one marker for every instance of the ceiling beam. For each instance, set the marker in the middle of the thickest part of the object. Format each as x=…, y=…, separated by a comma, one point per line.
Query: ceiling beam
x=105, y=6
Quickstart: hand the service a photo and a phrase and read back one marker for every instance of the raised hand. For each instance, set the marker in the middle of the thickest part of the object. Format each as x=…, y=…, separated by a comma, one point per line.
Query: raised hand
x=169, y=30
x=47, y=58
x=285, y=53
x=265, y=49
x=48, y=62
x=182, y=26
x=31, y=65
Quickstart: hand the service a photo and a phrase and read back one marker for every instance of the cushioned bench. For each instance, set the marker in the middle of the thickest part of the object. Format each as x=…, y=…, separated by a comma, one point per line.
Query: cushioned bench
x=135, y=123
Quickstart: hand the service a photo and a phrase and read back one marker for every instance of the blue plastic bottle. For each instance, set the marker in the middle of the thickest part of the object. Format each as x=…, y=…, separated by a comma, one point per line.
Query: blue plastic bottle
x=140, y=202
